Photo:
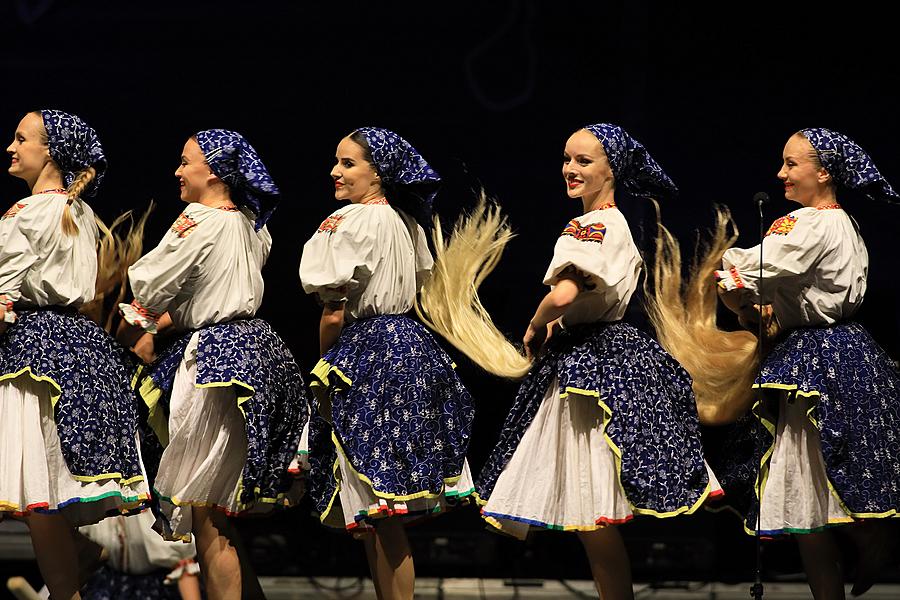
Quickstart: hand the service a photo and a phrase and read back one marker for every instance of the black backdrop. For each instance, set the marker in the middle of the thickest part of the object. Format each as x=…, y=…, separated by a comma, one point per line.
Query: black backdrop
x=488, y=92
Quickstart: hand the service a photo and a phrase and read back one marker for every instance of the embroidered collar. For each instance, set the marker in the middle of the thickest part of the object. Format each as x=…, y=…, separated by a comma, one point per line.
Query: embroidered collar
x=376, y=201
x=53, y=191
x=828, y=207
x=607, y=205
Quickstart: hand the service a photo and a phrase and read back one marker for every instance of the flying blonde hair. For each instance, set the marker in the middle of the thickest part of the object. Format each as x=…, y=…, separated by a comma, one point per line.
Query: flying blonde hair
x=119, y=247
x=448, y=303
x=723, y=364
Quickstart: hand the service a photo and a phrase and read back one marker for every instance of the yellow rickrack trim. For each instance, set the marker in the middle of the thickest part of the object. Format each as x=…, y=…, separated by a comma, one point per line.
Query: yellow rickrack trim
x=607, y=417
x=55, y=394
x=240, y=385
x=150, y=393
x=241, y=507
x=323, y=370
x=56, y=390
x=427, y=494
x=760, y=486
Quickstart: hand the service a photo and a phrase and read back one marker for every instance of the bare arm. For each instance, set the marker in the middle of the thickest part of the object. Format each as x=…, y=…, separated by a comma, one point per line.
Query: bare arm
x=330, y=325
x=552, y=307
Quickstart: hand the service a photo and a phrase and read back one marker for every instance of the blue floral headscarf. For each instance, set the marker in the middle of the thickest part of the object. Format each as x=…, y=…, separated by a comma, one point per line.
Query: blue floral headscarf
x=400, y=164
x=848, y=164
x=74, y=146
x=634, y=169
x=236, y=162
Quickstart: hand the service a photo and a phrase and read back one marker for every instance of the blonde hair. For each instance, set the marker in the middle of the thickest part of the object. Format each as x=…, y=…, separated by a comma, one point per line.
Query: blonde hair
x=119, y=247
x=74, y=191
x=723, y=364
x=448, y=303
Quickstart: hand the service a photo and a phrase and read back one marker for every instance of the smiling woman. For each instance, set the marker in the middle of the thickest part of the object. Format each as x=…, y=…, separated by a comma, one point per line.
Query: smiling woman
x=388, y=438
x=68, y=418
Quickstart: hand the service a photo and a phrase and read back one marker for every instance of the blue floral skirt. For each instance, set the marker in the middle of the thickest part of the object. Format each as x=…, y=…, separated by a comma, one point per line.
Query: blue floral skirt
x=68, y=416
x=391, y=427
x=849, y=390
x=228, y=404
x=619, y=395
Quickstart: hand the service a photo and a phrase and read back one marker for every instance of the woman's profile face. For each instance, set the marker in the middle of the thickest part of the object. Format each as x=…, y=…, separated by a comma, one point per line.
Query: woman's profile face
x=803, y=177
x=355, y=179
x=28, y=152
x=194, y=175
x=585, y=166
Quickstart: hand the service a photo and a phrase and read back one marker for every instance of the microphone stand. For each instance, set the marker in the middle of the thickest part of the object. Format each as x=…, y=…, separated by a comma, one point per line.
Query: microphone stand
x=756, y=590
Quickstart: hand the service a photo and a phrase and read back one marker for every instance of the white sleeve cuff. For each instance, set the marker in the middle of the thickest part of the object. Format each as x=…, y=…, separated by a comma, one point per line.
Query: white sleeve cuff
x=137, y=315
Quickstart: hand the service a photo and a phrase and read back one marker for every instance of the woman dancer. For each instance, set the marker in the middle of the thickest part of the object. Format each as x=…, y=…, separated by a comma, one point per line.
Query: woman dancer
x=389, y=438
x=234, y=395
x=68, y=417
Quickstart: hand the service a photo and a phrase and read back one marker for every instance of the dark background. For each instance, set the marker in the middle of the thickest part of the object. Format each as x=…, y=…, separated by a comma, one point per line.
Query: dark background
x=488, y=92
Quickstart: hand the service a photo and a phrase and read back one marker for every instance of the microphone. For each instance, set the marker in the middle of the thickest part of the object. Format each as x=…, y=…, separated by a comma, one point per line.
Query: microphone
x=761, y=198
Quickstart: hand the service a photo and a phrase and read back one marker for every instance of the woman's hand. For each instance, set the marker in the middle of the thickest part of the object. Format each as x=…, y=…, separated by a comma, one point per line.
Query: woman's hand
x=145, y=348
x=534, y=339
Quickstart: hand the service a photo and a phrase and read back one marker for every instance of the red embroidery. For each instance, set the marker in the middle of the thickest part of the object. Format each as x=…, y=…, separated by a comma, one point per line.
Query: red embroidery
x=588, y=233
x=14, y=209
x=229, y=208
x=147, y=314
x=607, y=205
x=782, y=226
x=736, y=277
x=377, y=201
x=330, y=224
x=828, y=207
x=183, y=226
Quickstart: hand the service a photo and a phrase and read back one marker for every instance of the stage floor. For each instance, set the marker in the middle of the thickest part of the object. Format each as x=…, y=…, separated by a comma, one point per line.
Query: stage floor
x=321, y=588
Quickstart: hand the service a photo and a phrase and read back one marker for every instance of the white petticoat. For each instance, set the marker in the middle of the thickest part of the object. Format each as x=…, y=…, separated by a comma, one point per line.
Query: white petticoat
x=34, y=475
x=562, y=476
x=796, y=497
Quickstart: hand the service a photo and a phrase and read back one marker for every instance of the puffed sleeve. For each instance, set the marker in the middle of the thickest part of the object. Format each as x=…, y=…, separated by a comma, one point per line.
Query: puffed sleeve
x=791, y=248
x=339, y=257
x=589, y=251
x=161, y=274
x=22, y=232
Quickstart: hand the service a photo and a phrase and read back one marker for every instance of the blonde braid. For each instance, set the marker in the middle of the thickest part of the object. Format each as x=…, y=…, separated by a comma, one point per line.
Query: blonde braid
x=76, y=188
x=449, y=304
x=116, y=252
x=721, y=363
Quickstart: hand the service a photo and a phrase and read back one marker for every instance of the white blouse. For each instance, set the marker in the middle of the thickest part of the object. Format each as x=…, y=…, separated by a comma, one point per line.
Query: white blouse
x=370, y=256
x=814, y=267
x=599, y=247
x=39, y=264
x=206, y=269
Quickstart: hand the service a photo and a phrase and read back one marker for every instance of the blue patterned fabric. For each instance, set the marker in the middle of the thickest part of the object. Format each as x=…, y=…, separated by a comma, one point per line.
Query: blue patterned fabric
x=109, y=584
x=634, y=169
x=401, y=164
x=96, y=413
x=74, y=146
x=236, y=162
x=849, y=164
x=403, y=419
x=855, y=391
x=651, y=410
x=270, y=391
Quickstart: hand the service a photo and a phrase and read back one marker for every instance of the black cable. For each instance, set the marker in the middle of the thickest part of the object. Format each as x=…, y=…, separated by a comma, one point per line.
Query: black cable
x=756, y=590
